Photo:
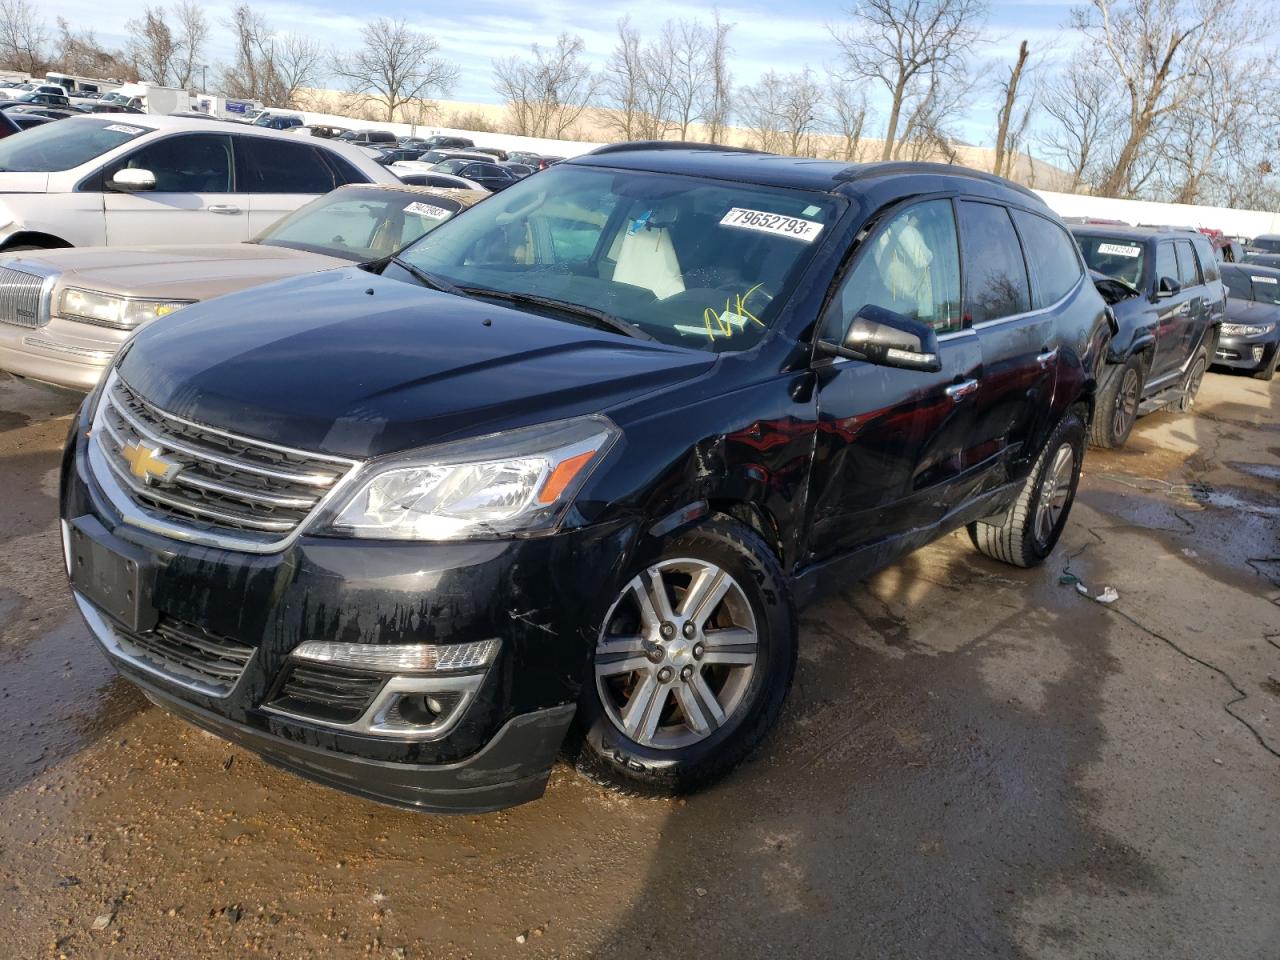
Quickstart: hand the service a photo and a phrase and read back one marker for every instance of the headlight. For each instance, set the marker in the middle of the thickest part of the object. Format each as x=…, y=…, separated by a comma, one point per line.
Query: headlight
x=112, y=311
x=516, y=483
x=1246, y=329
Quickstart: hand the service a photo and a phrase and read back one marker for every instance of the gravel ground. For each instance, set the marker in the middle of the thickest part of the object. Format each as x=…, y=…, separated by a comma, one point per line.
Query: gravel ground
x=975, y=761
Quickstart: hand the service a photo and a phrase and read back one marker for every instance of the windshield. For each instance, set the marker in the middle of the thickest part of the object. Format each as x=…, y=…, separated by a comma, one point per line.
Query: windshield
x=62, y=146
x=1118, y=258
x=699, y=263
x=1245, y=284
x=361, y=223
x=1267, y=244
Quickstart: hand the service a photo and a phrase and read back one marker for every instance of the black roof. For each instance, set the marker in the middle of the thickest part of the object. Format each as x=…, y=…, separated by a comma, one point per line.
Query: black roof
x=1264, y=269
x=773, y=170
x=1128, y=233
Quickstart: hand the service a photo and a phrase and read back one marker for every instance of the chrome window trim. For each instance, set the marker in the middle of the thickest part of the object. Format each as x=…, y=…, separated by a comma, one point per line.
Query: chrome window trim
x=135, y=516
x=372, y=721
x=120, y=648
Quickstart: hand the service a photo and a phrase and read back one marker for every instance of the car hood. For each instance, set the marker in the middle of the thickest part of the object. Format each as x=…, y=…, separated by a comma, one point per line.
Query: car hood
x=1251, y=311
x=185, y=273
x=349, y=363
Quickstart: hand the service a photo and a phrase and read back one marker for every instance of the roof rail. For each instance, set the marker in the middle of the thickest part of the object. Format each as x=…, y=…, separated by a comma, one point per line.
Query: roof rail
x=884, y=168
x=667, y=145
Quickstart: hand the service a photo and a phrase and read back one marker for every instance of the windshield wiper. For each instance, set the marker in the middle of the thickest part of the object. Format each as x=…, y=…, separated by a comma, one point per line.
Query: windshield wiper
x=424, y=278
x=601, y=318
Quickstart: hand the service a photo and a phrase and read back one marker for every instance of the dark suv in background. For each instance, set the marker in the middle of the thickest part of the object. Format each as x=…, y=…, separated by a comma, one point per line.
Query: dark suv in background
x=1167, y=313
x=567, y=466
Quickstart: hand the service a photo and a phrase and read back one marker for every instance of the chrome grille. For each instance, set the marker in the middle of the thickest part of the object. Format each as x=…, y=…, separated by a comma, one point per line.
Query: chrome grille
x=215, y=482
x=22, y=298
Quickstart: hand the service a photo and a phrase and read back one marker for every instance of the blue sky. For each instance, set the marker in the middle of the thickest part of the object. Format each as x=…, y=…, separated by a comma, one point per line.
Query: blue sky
x=766, y=36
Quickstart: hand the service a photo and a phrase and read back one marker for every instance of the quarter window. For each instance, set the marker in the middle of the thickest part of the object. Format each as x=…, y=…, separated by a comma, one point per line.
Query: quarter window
x=911, y=266
x=995, y=273
x=1055, y=266
x=191, y=163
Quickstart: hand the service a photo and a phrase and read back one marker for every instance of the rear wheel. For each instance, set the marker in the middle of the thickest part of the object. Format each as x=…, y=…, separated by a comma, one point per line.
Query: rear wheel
x=1117, y=408
x=1028, y=532
x=692, y=664
x=1191, y=385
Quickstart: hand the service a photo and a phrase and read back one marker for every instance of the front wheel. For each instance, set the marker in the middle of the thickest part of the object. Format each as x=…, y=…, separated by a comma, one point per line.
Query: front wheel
x=1029, y=530
x=693, y=661
x=1117, y=407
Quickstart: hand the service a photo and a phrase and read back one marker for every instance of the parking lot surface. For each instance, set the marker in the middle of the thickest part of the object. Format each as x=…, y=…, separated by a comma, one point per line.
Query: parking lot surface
x=975, y=761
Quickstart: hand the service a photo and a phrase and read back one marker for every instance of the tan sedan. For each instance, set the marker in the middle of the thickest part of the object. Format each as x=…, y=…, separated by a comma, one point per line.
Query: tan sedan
x=64, y=313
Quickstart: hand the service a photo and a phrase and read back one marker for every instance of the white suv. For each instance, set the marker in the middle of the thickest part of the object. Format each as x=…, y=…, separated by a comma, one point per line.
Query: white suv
x=118, y=180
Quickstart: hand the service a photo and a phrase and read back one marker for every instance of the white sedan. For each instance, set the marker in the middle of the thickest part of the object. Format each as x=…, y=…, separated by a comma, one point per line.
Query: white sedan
x=421, y=174
x=116, y=179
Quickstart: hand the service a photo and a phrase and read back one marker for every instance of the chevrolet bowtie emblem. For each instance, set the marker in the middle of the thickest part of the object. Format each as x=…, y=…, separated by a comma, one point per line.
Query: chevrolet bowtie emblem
x=147, y=464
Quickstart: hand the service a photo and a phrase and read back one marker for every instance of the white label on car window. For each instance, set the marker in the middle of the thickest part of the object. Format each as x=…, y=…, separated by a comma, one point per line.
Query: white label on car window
x=1263, y=279
x=121, y=128
x=1119, y=249
x=774, y=223
x=428, y=210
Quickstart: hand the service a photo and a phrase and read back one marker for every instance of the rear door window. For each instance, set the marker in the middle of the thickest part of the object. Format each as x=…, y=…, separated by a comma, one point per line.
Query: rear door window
x=1055, y=265
x=1188, y=269
x=996, y=284
x=268, y=165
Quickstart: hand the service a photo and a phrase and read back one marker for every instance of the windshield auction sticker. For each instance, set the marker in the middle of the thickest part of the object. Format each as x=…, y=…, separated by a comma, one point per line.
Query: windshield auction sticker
x=1262, y=279
x=1119, y=249
x=428, y=210
x=774, y=223
x=121, y=128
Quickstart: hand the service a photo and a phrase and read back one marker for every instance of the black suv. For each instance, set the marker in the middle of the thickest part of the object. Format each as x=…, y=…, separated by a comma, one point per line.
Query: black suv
x=1168, y=307
x=572, y=461
x=1251, y=334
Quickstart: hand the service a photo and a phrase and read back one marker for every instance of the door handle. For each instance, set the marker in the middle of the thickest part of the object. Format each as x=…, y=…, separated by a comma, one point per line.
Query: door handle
x=958, y=391
x=230, y=208
x=1046, y=358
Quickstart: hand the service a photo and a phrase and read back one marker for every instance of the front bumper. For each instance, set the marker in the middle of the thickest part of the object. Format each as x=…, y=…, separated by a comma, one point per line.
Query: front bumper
x=534, y=596
x=1247, y=353
x=62, y=352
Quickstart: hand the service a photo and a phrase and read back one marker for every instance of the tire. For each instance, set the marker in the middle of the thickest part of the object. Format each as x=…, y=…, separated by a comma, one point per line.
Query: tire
x=1268, y=370
x=1191, y=385
x=661, y=750
x=1117, y=408
x=1024, y=536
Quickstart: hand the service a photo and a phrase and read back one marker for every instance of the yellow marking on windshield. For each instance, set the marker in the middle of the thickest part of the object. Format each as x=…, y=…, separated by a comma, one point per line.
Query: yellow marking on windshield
x=716, y=323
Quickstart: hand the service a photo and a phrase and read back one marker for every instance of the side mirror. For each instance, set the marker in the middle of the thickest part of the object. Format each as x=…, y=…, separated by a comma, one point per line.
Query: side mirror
x=132, y=180
x=1167, y=287
x=889, y=339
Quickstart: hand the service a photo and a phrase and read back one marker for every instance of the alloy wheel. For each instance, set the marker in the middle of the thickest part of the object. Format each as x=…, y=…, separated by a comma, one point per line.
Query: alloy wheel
x=1126, y=407
x=676, y=655
x=1055, y=490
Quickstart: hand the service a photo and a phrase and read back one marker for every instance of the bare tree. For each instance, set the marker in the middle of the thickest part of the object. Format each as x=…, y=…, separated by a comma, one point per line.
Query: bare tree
x=1081, y=102
x=910, y=46
x=193, y=33
x=153, y=47
x=24, y=38
x=683, y=51
x=547, y=94
x=1158, y=50
x=1011, y=121
x=926, y=134
x=395, y=66
x=849, y=112
x=297, y=64
x=623, y=81
x=718, y=93
x=79, y=53
x=783, y=111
